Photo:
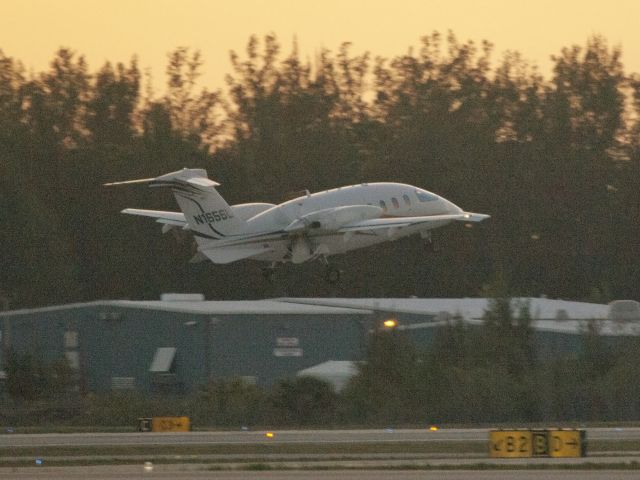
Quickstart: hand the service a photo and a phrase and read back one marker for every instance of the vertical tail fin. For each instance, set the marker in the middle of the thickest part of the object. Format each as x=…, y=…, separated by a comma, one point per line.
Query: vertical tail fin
x=208, y=215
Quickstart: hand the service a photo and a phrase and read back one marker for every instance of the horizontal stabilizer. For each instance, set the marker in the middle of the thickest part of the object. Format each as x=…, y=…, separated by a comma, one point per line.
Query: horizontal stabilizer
x=194, y=176
x=202, y=182
x=130, y=182
x=231, y=254
x=170, y=218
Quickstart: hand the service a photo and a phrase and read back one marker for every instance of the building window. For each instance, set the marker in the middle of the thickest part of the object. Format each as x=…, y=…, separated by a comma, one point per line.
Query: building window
x=407, y=200
x=395, y=202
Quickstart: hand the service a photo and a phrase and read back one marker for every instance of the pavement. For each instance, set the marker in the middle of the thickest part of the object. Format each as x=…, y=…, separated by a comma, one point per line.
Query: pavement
x=136, y=472
x=280, y=436
x=372, y=466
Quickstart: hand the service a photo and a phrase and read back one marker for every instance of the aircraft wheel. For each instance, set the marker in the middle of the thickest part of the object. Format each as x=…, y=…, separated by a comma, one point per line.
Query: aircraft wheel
x=332, y=275
x=430, y=246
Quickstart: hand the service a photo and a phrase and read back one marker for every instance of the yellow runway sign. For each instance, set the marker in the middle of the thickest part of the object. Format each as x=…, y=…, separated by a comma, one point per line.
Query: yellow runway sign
x=510, y=443
x=565, y=443
x=170, y=424
x=540, y=443
x=537, y=443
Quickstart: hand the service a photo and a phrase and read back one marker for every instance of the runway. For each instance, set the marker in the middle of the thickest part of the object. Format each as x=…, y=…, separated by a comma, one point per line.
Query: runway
x=377, y=463
x=280, y=436
x=171, y=472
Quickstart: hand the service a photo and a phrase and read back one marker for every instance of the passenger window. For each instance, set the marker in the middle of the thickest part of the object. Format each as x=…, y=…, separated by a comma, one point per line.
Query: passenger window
x=383, y=205
x=407, y=200
x=394, y=200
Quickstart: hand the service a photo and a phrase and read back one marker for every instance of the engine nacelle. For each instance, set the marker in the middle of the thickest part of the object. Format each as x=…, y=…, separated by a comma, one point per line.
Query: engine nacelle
x=331, y=219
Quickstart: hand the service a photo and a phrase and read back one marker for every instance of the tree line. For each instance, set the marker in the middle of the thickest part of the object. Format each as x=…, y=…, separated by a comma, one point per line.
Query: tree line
x=498, y=372
x=555, y=161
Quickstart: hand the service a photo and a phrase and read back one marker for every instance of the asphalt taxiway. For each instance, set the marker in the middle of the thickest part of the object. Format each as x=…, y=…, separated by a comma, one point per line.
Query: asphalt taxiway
x=279, y=436
x=172, y=472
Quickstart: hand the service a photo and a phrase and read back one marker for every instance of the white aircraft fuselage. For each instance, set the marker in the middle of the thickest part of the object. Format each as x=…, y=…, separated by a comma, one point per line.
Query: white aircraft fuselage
x=391, y=200
x=315, y=225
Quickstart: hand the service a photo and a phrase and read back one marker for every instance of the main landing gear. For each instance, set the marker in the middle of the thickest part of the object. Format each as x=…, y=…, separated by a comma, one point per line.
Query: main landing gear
x=331, y=274
x=267, y=272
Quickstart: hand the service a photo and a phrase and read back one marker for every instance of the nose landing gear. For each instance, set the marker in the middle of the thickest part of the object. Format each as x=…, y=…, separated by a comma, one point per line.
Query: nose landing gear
x=429, y=246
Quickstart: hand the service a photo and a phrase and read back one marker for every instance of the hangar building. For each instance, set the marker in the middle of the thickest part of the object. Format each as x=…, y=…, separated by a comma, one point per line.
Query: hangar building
x=172, y=346
x=181, y=341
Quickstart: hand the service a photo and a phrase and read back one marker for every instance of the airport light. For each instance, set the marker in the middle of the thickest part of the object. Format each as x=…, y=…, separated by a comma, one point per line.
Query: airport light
x=390, y=323
x=269, y=435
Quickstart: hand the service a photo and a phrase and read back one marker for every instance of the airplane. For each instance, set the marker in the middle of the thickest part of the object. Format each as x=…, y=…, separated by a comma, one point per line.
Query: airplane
x=311, y=226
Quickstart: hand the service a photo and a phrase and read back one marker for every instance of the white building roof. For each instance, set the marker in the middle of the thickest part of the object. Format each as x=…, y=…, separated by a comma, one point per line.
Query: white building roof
x=467, y=308
x=548, y=315
x=251, y=307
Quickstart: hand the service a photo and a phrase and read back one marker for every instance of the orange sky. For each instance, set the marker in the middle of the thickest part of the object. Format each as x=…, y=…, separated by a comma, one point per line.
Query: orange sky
x=31, y=30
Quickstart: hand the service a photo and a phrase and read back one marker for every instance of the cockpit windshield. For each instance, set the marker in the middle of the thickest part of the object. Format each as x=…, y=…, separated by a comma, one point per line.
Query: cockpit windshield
x=425, y=196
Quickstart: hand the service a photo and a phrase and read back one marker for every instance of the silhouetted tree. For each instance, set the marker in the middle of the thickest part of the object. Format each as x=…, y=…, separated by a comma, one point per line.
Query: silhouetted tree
x=555, y=161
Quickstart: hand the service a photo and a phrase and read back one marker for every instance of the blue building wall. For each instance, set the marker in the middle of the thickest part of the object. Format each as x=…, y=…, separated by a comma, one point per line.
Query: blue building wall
x=116, y=344
x=121, y=342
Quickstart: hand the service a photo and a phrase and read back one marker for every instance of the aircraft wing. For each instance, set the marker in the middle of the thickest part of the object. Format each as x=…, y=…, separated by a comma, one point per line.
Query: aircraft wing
x=246, y=246
x=400, y=222
x=168, y=218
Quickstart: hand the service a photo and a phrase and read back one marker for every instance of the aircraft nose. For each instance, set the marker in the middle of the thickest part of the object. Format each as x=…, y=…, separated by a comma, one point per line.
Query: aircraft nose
x=450, y=207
